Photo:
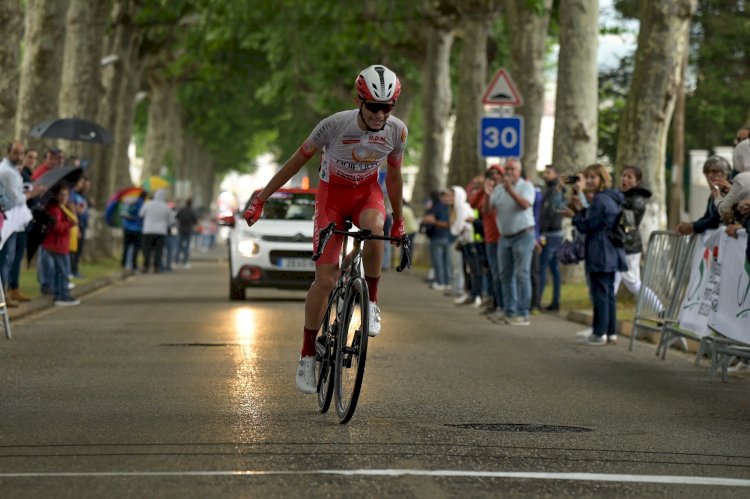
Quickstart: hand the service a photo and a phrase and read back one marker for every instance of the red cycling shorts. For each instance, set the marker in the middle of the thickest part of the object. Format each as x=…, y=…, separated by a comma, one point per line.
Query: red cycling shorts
x=335, y=203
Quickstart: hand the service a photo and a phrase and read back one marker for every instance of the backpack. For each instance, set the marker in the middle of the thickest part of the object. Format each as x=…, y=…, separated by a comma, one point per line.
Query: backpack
x=625, y=225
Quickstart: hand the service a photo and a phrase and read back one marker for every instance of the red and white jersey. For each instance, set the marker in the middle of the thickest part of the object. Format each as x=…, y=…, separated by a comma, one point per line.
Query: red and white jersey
x=351, y=155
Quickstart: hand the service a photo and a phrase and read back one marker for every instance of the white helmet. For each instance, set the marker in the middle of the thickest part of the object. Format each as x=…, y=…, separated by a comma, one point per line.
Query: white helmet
x=378, y=83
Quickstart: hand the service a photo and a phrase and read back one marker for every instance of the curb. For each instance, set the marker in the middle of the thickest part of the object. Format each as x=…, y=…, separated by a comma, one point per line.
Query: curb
x=624, y=328
x=44, y=302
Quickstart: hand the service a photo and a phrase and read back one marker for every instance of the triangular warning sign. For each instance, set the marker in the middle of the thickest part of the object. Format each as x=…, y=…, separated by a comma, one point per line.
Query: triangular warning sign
x=502, y=91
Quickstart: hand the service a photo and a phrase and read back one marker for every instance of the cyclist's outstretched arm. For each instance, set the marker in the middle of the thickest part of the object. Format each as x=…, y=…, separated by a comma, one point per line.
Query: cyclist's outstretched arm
x=290, y=168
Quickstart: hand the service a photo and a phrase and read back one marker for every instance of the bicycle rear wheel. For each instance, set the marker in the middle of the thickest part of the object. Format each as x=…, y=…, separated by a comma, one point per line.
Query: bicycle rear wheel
x=351, y=351
x=325, y=354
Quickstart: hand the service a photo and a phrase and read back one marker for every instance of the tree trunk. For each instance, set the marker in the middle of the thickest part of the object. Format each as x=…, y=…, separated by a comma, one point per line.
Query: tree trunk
x=576, y=104
x=465, y=162
x=527, y=26
x=10, y=20
x=81, y=84
x=436, y=104
x=121, y=79
x=676, y=198
x=642, y=136
x=157, y=151
x=41, y=68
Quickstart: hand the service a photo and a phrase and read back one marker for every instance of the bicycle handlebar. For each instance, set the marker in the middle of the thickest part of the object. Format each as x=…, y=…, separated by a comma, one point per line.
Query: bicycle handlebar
x=363, y=235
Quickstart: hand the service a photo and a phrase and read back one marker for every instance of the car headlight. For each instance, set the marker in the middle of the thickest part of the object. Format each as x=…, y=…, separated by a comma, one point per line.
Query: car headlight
x=248, y=248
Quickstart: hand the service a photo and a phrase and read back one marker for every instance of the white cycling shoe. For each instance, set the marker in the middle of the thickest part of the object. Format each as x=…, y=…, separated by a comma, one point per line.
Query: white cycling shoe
x=306, y=375
x=374, y=319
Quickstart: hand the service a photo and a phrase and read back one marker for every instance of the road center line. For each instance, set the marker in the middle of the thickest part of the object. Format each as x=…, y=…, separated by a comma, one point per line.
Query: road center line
x=590, y=477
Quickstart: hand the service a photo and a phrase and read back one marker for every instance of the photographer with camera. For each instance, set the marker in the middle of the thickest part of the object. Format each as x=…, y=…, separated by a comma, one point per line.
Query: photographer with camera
x=513, y=200
x=603, y=258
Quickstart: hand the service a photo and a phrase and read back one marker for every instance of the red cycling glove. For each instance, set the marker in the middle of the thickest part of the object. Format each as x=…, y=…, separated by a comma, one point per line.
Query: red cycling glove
x=397, y=230
x=253, y=211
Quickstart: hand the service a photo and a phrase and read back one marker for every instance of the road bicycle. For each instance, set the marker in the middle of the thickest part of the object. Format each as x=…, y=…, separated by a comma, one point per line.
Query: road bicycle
x=341, y=345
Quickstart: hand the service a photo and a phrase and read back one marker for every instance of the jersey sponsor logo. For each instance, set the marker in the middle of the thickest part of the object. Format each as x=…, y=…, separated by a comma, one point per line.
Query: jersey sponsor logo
x=318, y=136
x=403, y=135
x=377, y=139
x=364, y=154
x=350, y=140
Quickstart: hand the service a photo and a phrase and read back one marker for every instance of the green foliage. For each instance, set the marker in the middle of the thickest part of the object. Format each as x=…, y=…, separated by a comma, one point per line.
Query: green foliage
x=720, y=101
x=258, y=75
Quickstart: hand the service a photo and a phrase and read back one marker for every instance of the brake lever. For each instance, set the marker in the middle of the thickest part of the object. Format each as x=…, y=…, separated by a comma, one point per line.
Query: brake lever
x=405, y=255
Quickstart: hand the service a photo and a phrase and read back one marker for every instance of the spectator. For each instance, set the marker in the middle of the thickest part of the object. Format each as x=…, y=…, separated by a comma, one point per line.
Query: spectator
x=54, y=159
x=156, y=219
x=437, y=228
x=727, y=196
x=29, y=163
x=474, y=258
x=16, y=217
x=551, y=234
x=132, y=230
x=603, y=258
x=536, y=291
x=186, y=222
x=635, y=201
x=57, y=244
x=411, y=226
x=513, y=201
x=491, y=236
x=460, y=226
x=80, y=204
x=717, y=171
x=172, y=240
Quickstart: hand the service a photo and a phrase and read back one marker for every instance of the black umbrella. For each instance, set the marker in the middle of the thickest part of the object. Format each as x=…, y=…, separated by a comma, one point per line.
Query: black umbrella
x=63, y=175
x=74, y=129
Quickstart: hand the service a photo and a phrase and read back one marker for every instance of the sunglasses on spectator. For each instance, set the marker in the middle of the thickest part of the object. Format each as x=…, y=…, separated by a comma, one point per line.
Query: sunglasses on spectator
x=737, y=140
x=375, y=107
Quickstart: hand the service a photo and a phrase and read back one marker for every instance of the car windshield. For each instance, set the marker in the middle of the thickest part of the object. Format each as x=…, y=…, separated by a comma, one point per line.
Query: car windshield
x=289, y=206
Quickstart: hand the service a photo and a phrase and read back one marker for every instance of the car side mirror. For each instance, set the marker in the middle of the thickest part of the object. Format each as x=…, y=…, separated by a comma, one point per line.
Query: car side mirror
x=226, y=220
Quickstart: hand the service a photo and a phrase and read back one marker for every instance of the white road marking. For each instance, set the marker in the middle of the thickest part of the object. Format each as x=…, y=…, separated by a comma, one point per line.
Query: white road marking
x=591, y=477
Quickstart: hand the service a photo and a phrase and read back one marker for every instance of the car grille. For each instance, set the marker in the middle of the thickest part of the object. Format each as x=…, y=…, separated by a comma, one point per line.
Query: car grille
x=288, y=239
x=286, y=276
x=274, y=255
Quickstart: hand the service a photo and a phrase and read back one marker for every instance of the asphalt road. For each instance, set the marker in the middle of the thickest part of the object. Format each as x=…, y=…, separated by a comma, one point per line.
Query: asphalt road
x=158, y=386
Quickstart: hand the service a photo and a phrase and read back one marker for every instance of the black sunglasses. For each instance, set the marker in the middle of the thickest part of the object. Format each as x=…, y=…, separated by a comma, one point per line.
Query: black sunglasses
x=375, y=107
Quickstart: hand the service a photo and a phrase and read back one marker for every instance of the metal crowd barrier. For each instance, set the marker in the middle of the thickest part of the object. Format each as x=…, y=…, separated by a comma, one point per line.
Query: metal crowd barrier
x=663, y=285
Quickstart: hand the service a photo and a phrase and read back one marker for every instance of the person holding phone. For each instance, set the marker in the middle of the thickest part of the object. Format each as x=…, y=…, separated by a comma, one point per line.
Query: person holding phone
x=717, y=171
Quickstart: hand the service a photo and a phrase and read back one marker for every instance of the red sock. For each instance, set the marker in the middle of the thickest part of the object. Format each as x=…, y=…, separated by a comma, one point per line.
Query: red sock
x=308, y=342
x=372, y=286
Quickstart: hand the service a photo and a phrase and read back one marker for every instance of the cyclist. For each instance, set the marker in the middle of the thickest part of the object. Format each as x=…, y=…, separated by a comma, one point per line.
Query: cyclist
x=354, y=144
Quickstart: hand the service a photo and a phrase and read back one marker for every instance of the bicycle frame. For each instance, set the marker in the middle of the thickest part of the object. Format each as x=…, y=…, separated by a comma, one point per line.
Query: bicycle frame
x=332, y=350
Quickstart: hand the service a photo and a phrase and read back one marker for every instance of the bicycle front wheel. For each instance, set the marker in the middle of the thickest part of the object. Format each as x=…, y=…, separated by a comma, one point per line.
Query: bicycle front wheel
x=351, y=351
x=325, y=353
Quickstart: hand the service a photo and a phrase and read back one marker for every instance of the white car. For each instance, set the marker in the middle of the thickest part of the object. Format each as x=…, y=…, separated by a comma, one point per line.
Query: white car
x=276, y=251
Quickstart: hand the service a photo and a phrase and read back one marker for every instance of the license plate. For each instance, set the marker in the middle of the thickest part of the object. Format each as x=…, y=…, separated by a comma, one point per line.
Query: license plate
x=296, y=263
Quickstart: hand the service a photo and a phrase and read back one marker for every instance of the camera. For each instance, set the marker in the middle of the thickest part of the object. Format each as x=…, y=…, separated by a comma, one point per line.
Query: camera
x=572, y=179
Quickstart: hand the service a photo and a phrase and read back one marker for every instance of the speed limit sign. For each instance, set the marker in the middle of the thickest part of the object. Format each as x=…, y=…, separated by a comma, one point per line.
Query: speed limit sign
x=502, y=137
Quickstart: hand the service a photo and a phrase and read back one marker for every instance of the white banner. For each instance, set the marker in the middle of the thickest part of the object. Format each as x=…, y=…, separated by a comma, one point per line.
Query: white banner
x=730, y=313
x=704, y=277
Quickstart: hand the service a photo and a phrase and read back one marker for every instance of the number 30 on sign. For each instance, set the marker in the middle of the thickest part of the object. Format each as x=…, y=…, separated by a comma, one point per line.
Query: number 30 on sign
x=502, y=137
